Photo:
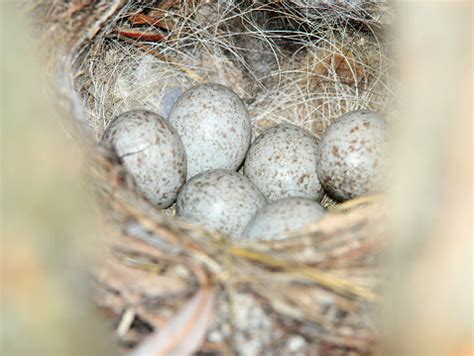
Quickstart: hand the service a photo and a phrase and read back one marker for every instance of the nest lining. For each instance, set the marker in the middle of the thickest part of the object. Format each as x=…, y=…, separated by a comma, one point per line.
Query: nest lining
x=290, y=62
x=308, y=73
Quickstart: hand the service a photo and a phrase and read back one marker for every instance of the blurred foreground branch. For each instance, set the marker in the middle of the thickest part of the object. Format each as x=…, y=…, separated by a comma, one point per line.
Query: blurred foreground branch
x=428, y=304
x=48, y=224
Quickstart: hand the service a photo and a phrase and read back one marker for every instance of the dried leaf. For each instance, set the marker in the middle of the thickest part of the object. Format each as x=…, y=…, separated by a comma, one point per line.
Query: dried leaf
x=185, y=332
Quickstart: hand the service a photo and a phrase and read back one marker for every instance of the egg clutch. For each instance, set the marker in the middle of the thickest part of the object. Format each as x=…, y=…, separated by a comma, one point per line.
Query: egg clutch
x=192, y=159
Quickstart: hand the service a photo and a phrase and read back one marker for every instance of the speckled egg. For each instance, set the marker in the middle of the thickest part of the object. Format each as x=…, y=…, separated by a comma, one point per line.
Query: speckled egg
x=280, y=218
x=219, y=199
x=351, y=155
x=282, y=163
x=151, y=151
x=215, y=127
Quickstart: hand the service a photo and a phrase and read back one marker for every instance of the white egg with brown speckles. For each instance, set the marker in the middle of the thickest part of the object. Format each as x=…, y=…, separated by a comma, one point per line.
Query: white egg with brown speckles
x=220, y=199
x=352, y=155
x=215, y=127
x=281, y=218
x=151, y=151
x=282, y=163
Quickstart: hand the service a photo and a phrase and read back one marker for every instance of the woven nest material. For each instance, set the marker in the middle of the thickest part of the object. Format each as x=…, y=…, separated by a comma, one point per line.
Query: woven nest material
x=298, y=61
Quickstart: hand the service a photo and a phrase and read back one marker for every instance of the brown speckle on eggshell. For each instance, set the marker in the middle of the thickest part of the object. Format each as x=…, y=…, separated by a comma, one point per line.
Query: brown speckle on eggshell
x=151, y=151
x=215, y=127
x=219, y=199
x=282, y=163
x=351, y=155
x=280, y=218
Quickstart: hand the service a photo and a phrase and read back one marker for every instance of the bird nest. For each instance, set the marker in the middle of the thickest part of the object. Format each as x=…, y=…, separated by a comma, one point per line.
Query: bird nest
x=298, y=61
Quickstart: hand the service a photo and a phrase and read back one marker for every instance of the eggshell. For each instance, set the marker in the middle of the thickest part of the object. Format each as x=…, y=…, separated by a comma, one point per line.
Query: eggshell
x=170, y=96
x=151, y=151
x=280, y=218
x=351, y=155
x=215, y=127
x=220, y=199
x=282, y=163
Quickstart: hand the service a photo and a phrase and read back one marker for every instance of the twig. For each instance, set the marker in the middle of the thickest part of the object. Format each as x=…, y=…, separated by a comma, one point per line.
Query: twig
x=126, y=321
x=140, y=35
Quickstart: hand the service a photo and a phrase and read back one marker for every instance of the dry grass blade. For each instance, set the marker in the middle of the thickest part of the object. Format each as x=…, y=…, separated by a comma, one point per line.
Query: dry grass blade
x=185, y=332
x=335, y=284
